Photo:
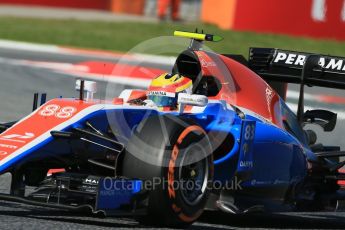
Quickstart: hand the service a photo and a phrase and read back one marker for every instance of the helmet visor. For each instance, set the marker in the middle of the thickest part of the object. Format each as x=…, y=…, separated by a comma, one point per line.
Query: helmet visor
x=163, y=101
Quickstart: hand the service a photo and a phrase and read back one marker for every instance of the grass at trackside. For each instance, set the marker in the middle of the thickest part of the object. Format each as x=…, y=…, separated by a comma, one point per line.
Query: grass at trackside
x=122, y=36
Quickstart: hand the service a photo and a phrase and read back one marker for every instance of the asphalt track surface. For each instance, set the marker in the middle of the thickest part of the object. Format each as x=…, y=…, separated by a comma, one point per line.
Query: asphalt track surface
x=19, y=82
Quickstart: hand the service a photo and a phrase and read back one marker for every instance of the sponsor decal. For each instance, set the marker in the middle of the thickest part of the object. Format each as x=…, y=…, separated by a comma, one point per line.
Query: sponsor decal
x=208, y=65
x=91, y=181
x=205, y=60
x=269, y=97
x=246, y=164
x=18, y=136
x=290, y=58
x=205, y=63
x=161, y=93
x=8, y=146
x=277, y=182
x=332, y=64
x=246, y=161
x=173, y=159
x=298, y=59
x=21, y=138
x=3, y=153
x=192, y=99
x=256, y=182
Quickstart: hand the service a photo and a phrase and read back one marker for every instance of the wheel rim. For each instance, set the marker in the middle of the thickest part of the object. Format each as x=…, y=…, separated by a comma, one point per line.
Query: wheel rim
x=193, y=176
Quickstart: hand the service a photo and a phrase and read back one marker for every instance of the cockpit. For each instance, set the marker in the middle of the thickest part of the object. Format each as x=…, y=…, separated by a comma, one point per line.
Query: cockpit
x=189, y=65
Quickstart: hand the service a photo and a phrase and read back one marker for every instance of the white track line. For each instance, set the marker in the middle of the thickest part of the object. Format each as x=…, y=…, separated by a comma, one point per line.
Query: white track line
x=157, y=59
x=27, y=46
x=64, y=68
x=56, y=66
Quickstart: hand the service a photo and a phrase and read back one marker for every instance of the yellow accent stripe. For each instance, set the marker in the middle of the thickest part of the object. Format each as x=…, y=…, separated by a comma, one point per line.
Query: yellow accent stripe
x=201, y=37
x=186, y=86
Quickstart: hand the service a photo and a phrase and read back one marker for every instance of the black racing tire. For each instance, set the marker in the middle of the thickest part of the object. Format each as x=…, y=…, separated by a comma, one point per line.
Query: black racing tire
x=175, y=155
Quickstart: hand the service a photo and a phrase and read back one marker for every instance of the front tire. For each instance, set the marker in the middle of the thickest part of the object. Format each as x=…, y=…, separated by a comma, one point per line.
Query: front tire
x=178, y=153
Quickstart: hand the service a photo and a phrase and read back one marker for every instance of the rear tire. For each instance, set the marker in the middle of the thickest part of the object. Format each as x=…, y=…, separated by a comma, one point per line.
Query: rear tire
x=178, y=153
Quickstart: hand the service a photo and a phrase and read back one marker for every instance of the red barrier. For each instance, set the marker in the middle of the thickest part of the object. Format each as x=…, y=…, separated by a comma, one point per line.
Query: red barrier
x=83, y=4
x=117, y=6
x=312, y=18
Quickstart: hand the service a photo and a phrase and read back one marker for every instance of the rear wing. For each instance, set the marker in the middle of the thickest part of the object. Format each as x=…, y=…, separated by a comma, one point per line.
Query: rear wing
x=296, y=67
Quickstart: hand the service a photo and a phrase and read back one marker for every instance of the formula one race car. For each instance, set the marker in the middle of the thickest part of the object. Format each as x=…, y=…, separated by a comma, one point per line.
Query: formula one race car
x=214, y=134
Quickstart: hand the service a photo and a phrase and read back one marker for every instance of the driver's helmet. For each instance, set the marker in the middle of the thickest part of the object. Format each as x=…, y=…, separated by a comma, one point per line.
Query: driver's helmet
x=164, y=89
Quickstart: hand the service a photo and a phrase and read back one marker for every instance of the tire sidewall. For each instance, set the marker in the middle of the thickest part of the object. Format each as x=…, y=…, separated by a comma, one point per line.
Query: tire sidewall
x=175, y=201
x=163, y=208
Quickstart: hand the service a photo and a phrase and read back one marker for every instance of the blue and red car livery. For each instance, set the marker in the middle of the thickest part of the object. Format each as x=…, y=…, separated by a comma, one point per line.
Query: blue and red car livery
x=241, y=130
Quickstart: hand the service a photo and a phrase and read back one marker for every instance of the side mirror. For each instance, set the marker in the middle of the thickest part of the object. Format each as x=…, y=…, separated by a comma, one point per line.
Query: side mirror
x=192, y=99
x=326, y=119
x=90, y=87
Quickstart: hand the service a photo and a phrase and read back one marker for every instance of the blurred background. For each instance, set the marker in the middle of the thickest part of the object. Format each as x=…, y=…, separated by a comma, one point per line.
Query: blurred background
x=312, y=18
x=319, y=25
